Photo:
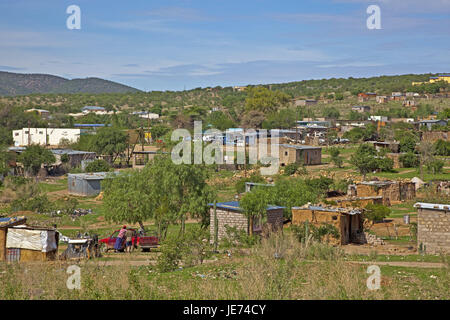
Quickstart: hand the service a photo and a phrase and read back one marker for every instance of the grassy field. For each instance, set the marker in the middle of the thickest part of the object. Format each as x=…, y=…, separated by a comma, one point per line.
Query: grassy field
x=312, y=271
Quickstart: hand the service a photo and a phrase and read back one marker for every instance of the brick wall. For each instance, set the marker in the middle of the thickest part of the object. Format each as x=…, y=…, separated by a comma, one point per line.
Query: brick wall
x=227, y=217
x=434, y=230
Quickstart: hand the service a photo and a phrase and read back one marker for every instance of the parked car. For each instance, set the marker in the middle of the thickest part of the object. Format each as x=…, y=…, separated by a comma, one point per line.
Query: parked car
x=146, y=242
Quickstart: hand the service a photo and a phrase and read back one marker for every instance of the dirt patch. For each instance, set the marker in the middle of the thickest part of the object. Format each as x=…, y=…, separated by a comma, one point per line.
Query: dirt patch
x=387, y=249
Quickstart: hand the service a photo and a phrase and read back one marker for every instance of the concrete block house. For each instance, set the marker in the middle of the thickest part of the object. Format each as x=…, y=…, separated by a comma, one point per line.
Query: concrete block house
x=231, y=214
x=433, y=227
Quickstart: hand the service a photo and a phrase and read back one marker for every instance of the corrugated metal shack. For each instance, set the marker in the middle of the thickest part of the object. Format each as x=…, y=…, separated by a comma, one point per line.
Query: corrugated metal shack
x=85, y=184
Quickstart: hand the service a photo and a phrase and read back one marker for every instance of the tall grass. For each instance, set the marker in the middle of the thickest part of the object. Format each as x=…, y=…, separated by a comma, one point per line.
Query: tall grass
x=277, y=268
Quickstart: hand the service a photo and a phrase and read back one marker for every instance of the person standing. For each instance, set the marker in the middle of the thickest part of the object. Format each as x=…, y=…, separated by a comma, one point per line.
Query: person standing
x=129, y=240
x=120, y=238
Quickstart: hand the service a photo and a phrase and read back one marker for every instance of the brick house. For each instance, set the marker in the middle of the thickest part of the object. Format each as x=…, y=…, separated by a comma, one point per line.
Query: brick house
x=433, y=227
x=231, y=214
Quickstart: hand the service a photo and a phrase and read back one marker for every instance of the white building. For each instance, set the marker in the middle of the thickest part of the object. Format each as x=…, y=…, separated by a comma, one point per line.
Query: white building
x=378, y=118
x=45, y=136
x=146, y=115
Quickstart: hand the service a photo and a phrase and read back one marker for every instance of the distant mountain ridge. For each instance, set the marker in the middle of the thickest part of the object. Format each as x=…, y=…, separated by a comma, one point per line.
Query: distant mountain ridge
x=12, y=84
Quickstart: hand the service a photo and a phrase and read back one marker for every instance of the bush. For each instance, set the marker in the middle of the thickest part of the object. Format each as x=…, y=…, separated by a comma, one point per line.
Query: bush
x=409, y=160
x=291, y=168
x=238, y=237
x=306, y=231
x=171, y=255
x=435, y=166
x=197, y=245
x=99, y=165
x=441, y=148
x=335, y=158
x=39, y=204
x=385, y=164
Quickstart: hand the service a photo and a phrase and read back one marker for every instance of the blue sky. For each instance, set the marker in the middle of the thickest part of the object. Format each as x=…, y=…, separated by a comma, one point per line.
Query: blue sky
x=172, y=45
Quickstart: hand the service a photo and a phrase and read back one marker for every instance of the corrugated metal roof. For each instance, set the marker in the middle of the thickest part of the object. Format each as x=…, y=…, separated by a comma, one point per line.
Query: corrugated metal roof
x=91, y=176
x=69, y=151
x=432, y=206
x=234, y=205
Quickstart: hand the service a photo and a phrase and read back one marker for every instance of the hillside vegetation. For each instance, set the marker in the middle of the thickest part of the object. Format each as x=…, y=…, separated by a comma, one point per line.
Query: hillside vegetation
x=12, y=84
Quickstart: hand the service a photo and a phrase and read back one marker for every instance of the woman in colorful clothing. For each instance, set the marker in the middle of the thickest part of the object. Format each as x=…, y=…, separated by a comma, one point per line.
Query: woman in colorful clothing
x=119, y=239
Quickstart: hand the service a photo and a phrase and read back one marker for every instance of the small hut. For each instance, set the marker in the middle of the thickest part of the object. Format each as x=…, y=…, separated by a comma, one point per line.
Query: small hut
x=347, y=221
x=19, y=242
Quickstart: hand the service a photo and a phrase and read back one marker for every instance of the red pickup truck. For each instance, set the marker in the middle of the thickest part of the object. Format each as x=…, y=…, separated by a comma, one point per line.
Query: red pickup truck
x=143, y=241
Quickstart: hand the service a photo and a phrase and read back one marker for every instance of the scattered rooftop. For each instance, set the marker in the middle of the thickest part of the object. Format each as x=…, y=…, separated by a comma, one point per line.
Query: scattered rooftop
x=432, y=206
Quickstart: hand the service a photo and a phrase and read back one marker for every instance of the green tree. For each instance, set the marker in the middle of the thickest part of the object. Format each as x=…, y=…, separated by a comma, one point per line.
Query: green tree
x=255, y=204
x=376, y=212
x=34, y=157
x=407, y=141
x=331, y=112
x=409, y=160
x=364, y=159
x=219, y=120
x=264, y=100
x=335, y=158
x=162, y=191
x=109, y=141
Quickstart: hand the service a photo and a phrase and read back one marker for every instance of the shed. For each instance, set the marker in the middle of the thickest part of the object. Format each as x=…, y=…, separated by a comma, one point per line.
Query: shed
x=22, y=243
x=433, y=227
x=75, y=156
x=85, y=184
x=6, y=223
x=231, y=214
x=348, y=221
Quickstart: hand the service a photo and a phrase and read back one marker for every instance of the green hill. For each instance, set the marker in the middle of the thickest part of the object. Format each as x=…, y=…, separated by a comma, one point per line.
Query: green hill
x=21, y=84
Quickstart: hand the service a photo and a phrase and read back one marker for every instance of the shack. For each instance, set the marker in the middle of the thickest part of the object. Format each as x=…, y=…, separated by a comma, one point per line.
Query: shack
x=22, y=243
x=391, y=191
x=392, y=147
x=75, y=157
x=85, y=184
x=348, y=221
x=231, y=214
x=433, y=227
